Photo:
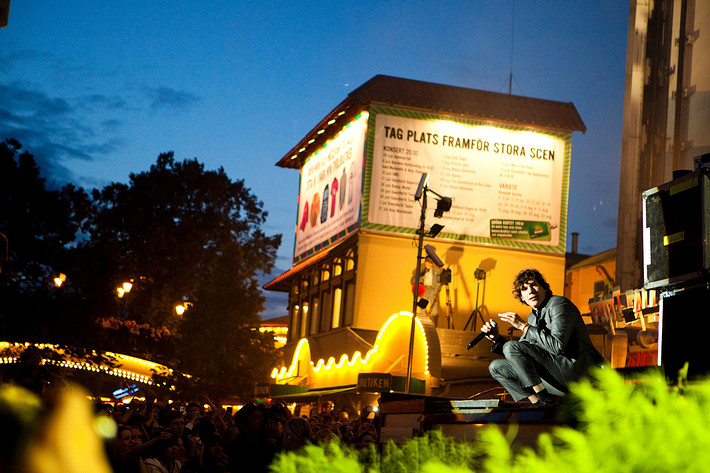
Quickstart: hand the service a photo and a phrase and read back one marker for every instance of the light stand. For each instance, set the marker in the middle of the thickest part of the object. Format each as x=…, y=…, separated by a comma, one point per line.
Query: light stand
x=480, y=275
x=421, y=193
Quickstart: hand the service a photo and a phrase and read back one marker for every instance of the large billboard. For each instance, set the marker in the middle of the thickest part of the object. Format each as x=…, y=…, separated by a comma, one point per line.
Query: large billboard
x=508, y=184
x=329, y=201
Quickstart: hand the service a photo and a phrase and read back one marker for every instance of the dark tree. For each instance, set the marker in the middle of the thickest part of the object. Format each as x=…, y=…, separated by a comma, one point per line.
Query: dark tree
x=41, y=226
x=185, y=235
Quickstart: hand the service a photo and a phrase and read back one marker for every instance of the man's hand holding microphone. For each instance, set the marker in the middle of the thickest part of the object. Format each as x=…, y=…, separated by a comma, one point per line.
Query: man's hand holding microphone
x=490, y=329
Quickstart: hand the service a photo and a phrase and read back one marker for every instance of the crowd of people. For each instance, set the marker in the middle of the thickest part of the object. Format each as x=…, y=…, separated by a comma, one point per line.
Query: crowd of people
x=191, y=439
x=198, y=437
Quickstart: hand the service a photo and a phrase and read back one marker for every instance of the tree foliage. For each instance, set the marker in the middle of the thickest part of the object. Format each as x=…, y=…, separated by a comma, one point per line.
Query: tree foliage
x=183, y=234
x=179, y=233
x=41, y=226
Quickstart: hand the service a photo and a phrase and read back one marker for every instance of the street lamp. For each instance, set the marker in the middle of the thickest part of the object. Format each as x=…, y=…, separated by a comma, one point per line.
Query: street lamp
x=59, y=280
x=124, y=289
x=181, y=308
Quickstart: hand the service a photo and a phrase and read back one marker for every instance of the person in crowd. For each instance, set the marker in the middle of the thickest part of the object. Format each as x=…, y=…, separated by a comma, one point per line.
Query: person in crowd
x=135, y=409
x=254, y=448
x=554, y=347
x=203, y=427
x=193, y=412
x=139, y=433
x=149, y=420
x=296, y=434
x=129, y=449
x=173, y=421
x=280, y=413
x=315, y=427
x=364, y=440
x=214, y=460
x=32, y=374
x=165, y=456
x=125, y=456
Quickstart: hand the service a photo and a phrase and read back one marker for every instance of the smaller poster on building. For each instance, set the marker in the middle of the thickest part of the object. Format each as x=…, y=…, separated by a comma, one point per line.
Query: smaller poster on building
x=330, y=190
x=374, y=382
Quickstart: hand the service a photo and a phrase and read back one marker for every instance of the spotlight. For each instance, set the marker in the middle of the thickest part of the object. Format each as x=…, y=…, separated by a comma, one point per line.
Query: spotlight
x=435, y=229
x=432, y=254
x=422, y=184
x=445, y=276
x=479, y=274
x=422, y=303
x=442, y=205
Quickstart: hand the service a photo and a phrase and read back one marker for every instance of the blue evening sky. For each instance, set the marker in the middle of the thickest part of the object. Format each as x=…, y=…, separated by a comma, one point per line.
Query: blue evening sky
x=96, y=90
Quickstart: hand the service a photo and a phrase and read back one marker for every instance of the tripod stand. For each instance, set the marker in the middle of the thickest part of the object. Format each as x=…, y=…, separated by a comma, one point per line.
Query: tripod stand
x=480, y=275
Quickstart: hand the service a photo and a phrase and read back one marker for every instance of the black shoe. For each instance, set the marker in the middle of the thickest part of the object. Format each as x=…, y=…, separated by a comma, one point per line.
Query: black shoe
x=545, y=402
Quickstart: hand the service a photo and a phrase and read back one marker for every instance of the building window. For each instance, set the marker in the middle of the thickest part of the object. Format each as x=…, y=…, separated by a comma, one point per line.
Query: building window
x=337, y=304
x=293, y=328
x=304, y=320
x=349, y=304
x=325, y=317
x=350, y=260
x=314, y=316
x=323, y=296
x=599, y=289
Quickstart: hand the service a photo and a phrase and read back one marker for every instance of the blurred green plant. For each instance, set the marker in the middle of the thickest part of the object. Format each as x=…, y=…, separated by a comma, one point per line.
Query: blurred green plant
x=614, y=425
x=20, y=415
x=330, y=457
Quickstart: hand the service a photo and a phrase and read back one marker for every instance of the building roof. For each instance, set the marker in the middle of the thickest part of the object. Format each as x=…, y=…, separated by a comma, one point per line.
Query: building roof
x=281, y=321
x=446, y=99
x=282, y=283
x=573, y=258
x=603, y=257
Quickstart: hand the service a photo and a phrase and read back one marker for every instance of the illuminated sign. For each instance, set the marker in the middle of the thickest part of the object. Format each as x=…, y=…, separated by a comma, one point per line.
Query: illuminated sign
x=330, y=190
x=508, y=184
x=262, y=390
x=125, y=392
x=374, y=382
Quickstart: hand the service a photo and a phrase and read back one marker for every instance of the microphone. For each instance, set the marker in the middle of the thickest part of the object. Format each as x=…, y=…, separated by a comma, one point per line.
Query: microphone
x=480, y=336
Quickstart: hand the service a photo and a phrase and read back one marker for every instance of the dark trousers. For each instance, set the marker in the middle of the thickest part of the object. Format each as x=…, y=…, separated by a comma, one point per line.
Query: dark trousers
x=526, y=365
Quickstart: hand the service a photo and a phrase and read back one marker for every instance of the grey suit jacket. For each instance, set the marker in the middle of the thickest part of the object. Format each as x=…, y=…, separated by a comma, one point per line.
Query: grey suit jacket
x=558, y=328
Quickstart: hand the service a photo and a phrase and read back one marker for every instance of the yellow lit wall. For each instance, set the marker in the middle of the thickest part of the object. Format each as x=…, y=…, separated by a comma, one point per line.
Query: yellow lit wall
x=581, y=279
x=386, y=267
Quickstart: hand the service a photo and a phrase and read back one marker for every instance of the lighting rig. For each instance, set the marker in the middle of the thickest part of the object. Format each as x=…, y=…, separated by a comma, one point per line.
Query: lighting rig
x=443, y=204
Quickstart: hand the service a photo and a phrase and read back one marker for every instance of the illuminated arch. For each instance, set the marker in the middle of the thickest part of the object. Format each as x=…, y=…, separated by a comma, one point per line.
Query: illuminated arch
x=129, y=367
x=292, y=370
x=387, y=351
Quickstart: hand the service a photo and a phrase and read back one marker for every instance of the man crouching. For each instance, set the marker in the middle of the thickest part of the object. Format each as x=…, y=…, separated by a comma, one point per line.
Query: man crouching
x=555, y=346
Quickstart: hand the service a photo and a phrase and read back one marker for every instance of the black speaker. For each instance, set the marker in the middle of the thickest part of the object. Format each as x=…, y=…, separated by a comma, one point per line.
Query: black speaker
x=676, y=231
x=682, y=337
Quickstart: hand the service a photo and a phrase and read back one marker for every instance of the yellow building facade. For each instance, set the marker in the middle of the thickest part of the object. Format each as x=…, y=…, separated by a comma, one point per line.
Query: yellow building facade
x=591, y=278
x=500, y=162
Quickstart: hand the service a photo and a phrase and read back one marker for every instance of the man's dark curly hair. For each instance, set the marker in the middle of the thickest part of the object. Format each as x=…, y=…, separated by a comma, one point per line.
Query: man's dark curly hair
x=523, y=277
